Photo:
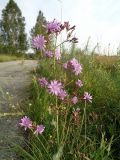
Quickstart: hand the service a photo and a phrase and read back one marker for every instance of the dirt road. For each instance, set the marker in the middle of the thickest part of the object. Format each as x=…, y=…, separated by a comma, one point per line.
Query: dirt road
x=15, y=78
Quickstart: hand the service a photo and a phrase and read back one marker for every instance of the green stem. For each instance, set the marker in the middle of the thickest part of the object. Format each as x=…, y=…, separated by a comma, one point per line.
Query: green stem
x=41, y=55
x=85, y=121
x=54, y=53
x=82, y=122
x=45, y=149
x=69, y=83
x=57, y=124
x=54, y=63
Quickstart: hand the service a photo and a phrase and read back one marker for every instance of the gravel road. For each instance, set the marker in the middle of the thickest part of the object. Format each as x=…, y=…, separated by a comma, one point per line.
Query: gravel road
x=15, y=78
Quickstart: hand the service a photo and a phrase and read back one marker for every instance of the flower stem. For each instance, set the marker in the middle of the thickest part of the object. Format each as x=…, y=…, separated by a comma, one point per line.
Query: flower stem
x=54, y=63
x=62, y=43
x=54, y=53
x=57, y=124
x=85, y=121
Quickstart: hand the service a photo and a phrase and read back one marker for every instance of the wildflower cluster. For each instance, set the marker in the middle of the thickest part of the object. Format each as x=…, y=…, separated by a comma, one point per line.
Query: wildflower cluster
x=79, y=83
x=74, y=66
x=39, y=42
x=28, y=124
x=51, y=54
x=56, y=87
x=53, y=27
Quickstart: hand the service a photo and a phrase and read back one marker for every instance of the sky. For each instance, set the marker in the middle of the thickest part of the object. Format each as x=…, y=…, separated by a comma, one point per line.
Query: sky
x=97, y=19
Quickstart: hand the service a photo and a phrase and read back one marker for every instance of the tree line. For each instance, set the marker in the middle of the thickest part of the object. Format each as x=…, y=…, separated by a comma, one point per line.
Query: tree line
x=13, y=38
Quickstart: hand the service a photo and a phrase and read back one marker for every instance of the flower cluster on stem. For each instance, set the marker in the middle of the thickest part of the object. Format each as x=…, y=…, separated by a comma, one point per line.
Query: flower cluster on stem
x=55, y=87
x=28, y=124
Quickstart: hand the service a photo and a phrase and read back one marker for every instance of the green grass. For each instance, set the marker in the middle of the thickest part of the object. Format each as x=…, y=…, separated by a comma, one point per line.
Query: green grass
x=6, y=58
x=64, y=137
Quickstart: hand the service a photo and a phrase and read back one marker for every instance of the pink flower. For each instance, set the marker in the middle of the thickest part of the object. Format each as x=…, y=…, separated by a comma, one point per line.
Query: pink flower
x=73, y=62
x=79, y=83
x=39, y=130
x=74, y=100
x=75, y=66
x=55, y=87
x=53, y=27
x=87, y=97
x=62, y=94
x=39, y=42
x=43, y=82
x=26, y=122
x=65, y=65
x=57, y=54
x=77, y=69
x=49, y=54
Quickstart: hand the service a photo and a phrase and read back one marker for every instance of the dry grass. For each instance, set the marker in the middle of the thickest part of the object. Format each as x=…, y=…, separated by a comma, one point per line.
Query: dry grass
x=107, y=60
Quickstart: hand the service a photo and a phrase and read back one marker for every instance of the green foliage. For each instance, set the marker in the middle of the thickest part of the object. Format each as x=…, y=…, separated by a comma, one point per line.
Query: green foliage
x=102, y=116
x=39, y=27
x=5, y=58
x=103, y=151
x=75, y=131
x=12, y=30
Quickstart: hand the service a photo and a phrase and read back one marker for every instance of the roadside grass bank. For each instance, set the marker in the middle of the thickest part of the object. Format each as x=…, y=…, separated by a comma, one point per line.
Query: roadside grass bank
x=73, y=110
x=102, y=115
x=8, y=57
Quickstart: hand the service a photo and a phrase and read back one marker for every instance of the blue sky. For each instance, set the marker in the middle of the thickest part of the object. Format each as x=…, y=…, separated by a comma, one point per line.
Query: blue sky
x=99, y=19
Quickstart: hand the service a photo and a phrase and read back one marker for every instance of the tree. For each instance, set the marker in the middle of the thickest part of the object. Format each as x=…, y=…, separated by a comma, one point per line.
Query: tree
x=12, y=29
x=39, y=26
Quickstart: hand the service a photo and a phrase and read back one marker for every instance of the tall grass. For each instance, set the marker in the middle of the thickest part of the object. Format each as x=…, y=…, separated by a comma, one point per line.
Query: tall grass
x=102, y=116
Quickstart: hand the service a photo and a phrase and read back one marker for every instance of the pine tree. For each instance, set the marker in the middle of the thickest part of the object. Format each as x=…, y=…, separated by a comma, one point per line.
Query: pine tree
x=12, y=29
x=39, y=26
